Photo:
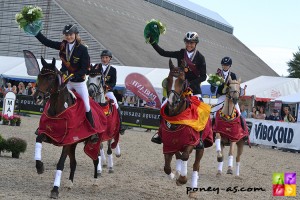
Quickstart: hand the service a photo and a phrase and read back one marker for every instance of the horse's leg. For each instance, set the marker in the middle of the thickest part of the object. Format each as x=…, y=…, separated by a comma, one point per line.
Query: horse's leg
x=103, y=157
x=240, y=147
x=195, y=174
x=59, y=169
x=96, y=162
x=220, y=164
x=73, y=165
x=110, y=163
x=167, y=167
x=230, y=158
x=178, y=164
x=99, y=166
x=118, y=150
x=182, y=179
x=218, y=148
x=39, y=165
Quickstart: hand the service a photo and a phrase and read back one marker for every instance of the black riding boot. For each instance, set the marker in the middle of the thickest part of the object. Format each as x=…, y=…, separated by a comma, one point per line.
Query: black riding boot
x=200, y=145
x=94, y=138
x=121, y=128
x=157, y=139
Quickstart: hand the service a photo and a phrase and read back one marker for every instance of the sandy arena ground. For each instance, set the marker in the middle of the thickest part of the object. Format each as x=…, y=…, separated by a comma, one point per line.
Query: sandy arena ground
x=138, y=172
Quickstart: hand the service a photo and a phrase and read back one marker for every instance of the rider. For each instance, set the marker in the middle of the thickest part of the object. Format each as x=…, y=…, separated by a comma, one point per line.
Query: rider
x=109, y=74
x=225, y=73
x=194, y=66
x=75, y=60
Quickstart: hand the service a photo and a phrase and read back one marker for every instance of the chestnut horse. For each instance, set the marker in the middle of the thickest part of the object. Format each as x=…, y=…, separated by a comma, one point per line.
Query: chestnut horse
x=51, y=87
x=180, y=138
x=230, y=128
x=96, y=91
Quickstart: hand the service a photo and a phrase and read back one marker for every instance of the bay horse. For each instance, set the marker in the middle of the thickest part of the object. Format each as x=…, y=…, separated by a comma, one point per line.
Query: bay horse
x=178, y=128
x=230, y=128
x=55, y=129
x=96, y=91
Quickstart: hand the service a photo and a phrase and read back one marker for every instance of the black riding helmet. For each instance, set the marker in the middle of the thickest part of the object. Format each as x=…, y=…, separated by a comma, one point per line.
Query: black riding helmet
x=70, y=28
x=106, y=53
x=227, y=61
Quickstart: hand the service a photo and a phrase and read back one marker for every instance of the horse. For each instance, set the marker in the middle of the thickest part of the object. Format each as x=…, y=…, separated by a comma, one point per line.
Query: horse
x=230, y=128
x=51, y=86
x=96, y=91
x=180, y=138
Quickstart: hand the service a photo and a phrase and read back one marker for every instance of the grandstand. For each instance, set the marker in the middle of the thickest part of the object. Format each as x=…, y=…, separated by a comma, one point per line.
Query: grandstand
x=118, y=25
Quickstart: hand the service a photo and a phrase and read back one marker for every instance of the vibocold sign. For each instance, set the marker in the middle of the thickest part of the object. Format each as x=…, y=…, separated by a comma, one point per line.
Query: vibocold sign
x=274, y=133
x=9, y=104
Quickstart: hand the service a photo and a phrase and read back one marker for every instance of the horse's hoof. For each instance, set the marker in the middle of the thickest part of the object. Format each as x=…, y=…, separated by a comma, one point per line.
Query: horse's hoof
x=69, y=185
x=99, y=172
x=193, y=195
x=118, y=155
x=219, y=174
x=110, y=170
x=54, y=194
x=220, y=159
x=95, y=182
x=229, y=171
x=39, y=167
x=181, y=180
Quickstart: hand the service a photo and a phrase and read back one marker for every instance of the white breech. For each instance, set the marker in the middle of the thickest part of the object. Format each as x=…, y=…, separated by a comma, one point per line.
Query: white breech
x=111, y=95
x=82, y=90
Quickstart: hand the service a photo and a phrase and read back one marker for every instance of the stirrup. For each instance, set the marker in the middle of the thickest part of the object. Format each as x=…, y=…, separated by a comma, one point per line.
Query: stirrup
x=157, y=139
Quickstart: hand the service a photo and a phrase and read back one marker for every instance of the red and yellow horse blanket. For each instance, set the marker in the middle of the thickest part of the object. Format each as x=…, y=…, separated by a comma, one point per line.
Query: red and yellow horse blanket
x=230, y=129
x=190, y=122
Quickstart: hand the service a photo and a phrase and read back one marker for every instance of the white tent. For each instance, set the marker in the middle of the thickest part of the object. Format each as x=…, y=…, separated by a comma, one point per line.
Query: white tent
x=14, y=68
x=289, y=99
x=265, y=88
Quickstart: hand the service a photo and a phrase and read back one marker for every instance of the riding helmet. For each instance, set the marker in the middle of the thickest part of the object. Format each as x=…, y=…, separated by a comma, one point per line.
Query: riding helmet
x=191, y=37
x=106, y=53
x=70, y=28
x=227, y=61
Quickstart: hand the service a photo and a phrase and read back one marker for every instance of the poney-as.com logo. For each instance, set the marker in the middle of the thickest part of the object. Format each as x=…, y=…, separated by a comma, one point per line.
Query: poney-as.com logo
x=284, y=184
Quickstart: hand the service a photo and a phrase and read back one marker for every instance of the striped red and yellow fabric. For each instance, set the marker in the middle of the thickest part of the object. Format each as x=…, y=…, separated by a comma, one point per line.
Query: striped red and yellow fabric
x=195, y=116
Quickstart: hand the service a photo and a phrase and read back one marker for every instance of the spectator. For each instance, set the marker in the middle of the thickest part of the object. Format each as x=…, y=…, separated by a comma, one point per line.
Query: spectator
x=243, y=111
x=261, y=114
x=30, y=90
x=14, y=89
x=22, y=89
x=252, y=114
x=274, y=116
x=287, y=116
x=8, y=89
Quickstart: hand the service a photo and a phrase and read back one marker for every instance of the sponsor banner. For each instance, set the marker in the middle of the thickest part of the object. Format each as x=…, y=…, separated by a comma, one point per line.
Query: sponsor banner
x=24, y=103
x=140, y=117
x=31, y=63
x=274, y=133
x=142, y=87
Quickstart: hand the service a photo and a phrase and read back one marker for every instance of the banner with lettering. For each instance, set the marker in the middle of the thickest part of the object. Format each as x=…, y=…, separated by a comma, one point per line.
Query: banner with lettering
x=274, y=133
x=142, y=87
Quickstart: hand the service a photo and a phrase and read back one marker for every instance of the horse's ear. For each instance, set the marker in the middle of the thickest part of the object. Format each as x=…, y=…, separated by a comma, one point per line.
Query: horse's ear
x=239, y=80
x=171, y=66
x=53, y=61
x=43, y=61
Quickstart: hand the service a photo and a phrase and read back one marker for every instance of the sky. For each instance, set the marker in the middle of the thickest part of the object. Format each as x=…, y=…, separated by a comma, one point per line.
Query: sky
x=271, y=29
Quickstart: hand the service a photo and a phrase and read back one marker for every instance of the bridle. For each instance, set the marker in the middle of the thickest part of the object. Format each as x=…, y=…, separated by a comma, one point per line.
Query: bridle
x=230, y=97
x=96, y=88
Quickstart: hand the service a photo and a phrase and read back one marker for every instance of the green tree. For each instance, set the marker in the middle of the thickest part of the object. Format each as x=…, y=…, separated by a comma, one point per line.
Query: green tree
x=294, y=65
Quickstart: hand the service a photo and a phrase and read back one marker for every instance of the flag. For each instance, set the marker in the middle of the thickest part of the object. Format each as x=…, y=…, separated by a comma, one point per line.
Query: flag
x=31, y=63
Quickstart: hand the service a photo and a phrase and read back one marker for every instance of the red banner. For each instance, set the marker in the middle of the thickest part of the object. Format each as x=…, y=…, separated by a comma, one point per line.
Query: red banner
x=142, y=87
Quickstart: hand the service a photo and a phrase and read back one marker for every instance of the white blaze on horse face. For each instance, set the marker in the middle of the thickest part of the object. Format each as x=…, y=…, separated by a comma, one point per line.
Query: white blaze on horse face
x=171, y=96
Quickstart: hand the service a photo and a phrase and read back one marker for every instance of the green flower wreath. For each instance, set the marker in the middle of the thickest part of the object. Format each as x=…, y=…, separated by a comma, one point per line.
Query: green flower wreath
x=153, y=29
x=29, y=19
